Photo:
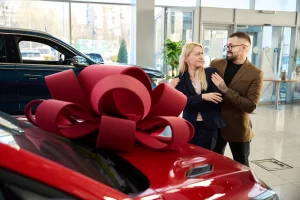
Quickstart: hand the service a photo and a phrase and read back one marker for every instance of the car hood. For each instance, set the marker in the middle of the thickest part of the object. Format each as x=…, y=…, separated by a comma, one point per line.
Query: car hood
x=152, y=73
x=168, y=174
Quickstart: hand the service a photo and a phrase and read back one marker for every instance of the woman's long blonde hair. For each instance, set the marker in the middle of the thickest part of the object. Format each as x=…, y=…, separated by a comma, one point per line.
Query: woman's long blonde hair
x=183, y=66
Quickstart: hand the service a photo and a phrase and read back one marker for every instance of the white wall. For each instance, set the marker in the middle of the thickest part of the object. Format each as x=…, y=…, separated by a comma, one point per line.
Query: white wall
x=219, y=15
x=254, y=17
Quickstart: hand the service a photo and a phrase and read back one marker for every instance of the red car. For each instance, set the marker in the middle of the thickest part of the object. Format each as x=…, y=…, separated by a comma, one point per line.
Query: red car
x=35, y=164
x=138, y=164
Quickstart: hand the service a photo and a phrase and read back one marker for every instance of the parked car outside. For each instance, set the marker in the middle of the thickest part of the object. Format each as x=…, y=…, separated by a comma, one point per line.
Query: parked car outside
x=46, y=52
x=31, y=55
x=95, y=56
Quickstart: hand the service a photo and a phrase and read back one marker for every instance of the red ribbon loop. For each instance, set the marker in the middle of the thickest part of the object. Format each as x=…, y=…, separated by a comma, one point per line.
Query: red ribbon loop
x=115, y=101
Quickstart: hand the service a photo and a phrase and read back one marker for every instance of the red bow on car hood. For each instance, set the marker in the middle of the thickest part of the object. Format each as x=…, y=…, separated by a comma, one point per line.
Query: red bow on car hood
x=115, y=101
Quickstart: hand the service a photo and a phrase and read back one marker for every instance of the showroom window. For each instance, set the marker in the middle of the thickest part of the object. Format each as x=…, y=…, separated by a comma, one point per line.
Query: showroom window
x=277, y=5
x=107, y=1
x=51, y=17
x=297, y=69
x=159, y=36
x=179, y=25
x=176, y=3
x=270, y=50
x=101, y=28
x=244, y=4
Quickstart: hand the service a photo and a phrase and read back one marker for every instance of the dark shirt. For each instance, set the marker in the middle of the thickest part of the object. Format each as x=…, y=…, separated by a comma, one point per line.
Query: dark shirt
x=230, y=72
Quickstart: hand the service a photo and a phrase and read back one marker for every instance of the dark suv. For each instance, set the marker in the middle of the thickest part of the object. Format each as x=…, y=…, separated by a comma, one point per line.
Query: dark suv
x=22, y=79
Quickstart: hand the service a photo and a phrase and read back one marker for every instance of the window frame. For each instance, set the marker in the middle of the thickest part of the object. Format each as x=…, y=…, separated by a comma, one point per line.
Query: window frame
x=4, y=56
x=45, y=41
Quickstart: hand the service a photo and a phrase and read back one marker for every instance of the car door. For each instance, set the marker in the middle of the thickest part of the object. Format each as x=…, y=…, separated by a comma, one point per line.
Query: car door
x=31, y=71
x=9, y=101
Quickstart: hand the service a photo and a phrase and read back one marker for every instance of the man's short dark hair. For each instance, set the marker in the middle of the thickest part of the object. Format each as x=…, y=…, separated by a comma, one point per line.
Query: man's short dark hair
x=241, y=35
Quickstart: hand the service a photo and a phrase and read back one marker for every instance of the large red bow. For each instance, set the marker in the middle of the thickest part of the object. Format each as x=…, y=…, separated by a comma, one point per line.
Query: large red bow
x=116, y=101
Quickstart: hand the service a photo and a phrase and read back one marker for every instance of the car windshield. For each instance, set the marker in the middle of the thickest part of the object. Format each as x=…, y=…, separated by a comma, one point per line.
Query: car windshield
x=103, y=166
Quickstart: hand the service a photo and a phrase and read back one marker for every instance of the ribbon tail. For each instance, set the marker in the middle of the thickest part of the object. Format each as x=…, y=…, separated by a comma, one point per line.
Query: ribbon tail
x=180, y=130
x=116, y=133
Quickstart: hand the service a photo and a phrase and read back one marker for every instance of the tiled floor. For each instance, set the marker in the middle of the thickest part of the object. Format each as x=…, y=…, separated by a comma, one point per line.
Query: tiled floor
x=277, y=135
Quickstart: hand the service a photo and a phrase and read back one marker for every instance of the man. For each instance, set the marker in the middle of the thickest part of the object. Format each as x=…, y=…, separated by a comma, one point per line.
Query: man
x=241, y=83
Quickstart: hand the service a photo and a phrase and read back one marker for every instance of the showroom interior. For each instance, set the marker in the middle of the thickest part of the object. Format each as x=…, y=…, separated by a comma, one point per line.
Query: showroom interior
x=143, y=26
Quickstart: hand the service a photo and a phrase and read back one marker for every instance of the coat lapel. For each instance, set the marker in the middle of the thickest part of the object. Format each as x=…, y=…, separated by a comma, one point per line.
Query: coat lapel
x=222, y=65
x=240, y=73
x=188, y=83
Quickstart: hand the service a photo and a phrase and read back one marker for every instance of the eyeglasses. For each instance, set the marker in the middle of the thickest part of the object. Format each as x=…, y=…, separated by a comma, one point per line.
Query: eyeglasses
x=229, y=47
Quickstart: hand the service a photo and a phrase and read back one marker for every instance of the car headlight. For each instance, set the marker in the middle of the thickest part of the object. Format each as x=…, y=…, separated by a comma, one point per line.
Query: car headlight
x=267, y=195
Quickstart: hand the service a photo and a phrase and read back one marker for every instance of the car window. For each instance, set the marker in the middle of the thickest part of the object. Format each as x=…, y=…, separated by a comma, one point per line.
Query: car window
x=3, y=56
x=38, y=51
x=103, y=166
x=9, y=191
x=14, y=186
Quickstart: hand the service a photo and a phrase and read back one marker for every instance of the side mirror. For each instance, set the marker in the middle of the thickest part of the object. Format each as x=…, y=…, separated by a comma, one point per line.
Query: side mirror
x=79, y=61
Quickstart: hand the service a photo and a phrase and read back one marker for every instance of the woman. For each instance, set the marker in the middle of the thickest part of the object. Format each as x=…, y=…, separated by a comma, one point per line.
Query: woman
x=203, y=107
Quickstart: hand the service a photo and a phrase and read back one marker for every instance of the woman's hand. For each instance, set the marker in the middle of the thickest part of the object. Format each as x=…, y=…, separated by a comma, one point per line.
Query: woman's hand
x=213, y=97
x=174, y=82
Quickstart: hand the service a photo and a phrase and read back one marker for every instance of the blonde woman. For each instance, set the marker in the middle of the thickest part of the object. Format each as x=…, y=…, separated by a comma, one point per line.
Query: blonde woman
x=203, y=107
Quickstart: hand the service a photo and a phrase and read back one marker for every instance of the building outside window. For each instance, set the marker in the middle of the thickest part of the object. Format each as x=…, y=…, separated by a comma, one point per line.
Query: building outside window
x=277, y=5
x=95, y=28
x=100, y=28
x=50, y=17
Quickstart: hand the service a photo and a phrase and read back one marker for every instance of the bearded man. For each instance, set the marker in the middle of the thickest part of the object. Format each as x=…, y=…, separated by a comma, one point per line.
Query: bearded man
x=241, y=84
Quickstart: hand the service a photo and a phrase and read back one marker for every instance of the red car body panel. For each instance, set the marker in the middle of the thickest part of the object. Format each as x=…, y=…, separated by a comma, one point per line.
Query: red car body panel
x=165, y=170
x=46, y=171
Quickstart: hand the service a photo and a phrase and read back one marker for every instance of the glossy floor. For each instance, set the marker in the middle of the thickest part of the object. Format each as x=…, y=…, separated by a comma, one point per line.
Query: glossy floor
x=277, y=135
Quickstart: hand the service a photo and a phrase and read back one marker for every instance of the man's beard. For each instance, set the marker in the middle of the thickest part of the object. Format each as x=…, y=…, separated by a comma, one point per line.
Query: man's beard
x=231, y=58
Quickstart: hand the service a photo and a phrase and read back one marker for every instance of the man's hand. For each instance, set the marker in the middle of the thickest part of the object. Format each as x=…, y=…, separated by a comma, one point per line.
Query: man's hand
x=219, y=82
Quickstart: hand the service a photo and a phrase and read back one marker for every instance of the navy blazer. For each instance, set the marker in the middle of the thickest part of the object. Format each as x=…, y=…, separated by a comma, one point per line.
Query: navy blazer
x=210, y=112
